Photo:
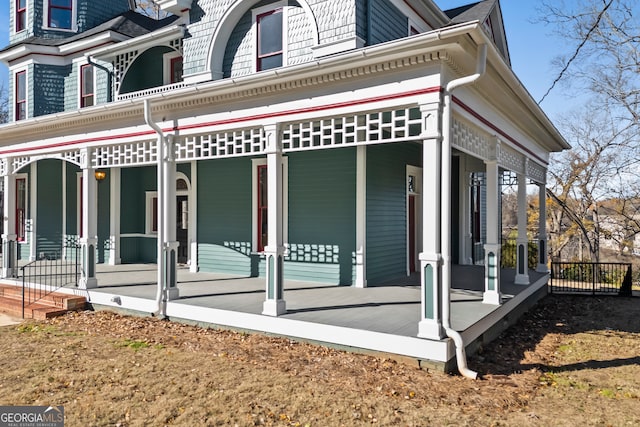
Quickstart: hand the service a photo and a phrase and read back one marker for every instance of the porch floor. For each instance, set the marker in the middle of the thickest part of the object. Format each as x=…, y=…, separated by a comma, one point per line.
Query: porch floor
x=392, y=308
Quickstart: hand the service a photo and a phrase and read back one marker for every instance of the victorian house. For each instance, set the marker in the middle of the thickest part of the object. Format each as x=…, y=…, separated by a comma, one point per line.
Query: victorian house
x=343, y=142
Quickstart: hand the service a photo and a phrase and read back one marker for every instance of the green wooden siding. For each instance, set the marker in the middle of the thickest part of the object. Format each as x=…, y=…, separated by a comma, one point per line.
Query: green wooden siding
x=322, y=215
x=134, y=184
x=48, y=215
x=146, y=71
x=224, y=217
x=387, y=209
x=104, y=212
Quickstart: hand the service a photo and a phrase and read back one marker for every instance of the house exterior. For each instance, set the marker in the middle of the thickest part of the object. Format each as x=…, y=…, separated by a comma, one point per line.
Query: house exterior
x=333, y=141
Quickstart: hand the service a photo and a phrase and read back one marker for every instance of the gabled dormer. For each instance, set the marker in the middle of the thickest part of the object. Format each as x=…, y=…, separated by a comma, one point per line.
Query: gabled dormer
x=54, y=19
x=488, y=12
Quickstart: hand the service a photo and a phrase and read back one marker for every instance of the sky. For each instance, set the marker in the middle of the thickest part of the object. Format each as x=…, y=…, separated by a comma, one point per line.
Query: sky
x=531, y=45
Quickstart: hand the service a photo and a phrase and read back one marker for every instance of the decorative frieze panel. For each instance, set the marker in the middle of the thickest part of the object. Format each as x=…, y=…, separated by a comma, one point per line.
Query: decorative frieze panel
x=18, y=162
x=368, y=128
x=223, y=144
x=510, y=159
x=136, y=153
x=470, y=140
x=537, y=172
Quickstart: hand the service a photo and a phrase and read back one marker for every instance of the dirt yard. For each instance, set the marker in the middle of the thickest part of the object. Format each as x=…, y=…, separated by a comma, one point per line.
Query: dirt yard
x=571, y=361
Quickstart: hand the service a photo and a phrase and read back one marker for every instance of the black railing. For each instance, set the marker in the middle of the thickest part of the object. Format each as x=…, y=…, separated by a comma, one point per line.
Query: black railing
x=48, y=273
x=591, y=277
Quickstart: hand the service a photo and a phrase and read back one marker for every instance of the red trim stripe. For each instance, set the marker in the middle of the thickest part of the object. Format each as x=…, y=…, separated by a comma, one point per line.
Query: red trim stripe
x=285, y=113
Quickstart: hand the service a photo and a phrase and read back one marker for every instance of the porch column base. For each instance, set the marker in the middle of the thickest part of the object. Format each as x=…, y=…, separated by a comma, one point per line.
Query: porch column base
x=492, y=293
x=522, y=279
x=173, y=294
x=491, y=297
x=88, y=283
x=430, y=329
x=430, y=325
x=274, y=307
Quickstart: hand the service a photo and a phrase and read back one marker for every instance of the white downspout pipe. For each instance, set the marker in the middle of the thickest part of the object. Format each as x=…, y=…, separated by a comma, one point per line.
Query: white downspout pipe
x=161, y=301
x=445, y=232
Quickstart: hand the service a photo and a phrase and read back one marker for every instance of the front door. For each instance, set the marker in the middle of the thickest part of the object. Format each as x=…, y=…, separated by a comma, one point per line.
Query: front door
x=182, y=228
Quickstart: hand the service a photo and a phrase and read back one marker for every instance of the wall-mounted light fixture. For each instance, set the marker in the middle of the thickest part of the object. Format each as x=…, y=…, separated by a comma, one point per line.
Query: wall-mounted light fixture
x=100, y=175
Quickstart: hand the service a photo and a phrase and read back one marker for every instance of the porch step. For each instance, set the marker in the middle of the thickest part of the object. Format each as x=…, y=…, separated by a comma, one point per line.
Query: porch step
x=49, y=305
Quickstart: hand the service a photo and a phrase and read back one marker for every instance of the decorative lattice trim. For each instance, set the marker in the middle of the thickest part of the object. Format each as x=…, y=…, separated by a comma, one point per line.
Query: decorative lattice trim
x=368, y=128
x=511, y=159
x=537, y=172
x=136, y=153
x=471, y=140
x=222, y=144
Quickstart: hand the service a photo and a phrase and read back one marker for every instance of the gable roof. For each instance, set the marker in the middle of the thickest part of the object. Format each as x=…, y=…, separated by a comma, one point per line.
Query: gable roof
x=129, y=24
x=488, y=12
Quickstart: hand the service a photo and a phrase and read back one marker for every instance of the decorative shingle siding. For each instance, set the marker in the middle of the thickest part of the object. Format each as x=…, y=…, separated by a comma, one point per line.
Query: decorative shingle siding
x=322, y=212
x=48, y=88
x=336, y=20
x=238, y=57
x=93, y=13
x=240, y=51
x=362, y=19
x=71, y=87
x=387, y=209
x=386, y=22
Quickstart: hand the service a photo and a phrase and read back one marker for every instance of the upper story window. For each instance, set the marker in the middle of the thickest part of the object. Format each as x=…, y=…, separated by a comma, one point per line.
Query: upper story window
x=270, y=52
x=20, y=106
x=60, y=14
x=21, y=15
x=172, y=67
x=87, y=86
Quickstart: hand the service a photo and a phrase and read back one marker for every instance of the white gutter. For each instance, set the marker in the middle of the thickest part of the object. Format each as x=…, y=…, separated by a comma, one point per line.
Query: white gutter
x=161, y=300
x=445, y=224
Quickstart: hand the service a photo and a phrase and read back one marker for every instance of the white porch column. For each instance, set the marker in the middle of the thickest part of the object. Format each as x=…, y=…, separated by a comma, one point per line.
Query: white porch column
x=522, y=242
x=193, y=220
x=170, y=244
x=430, y=325
x=492, y=247
x=542, y=230
x=361, y=217
x=9, y=238
x=274, y=305
x=114, y=216
x=31, y=225
x=89, y=238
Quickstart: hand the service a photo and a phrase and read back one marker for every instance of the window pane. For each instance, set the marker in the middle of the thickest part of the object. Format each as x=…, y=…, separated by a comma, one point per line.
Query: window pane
x=270, y=62
x=87, y=80
x=270, y=36
x=21, y=79
x=22, y=4
x=63, y=3
x=60, y=18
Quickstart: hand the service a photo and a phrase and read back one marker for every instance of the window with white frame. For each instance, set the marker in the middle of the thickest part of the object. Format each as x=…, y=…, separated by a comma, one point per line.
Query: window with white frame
x=21, y=207
x=60, y=14
x=172, y=67
x=270, y=25
x=259, y=196
x=151, y=223
x=87, y=85
x=21, y=15
x=20, y=95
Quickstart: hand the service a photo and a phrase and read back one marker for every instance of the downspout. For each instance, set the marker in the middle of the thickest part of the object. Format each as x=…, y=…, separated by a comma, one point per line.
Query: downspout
x=445, y=231
x=109, y=76
x=161, y=301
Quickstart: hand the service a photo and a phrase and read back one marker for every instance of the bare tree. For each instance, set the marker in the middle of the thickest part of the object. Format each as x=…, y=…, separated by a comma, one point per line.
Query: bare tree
x=603, y=58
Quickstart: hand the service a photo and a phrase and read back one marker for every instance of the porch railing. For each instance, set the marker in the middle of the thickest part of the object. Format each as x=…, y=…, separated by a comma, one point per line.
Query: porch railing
x=591, y=277
x=48, y=273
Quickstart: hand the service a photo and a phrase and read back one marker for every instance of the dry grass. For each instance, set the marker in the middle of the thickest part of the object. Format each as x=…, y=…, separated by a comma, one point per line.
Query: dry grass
x=572, y=360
